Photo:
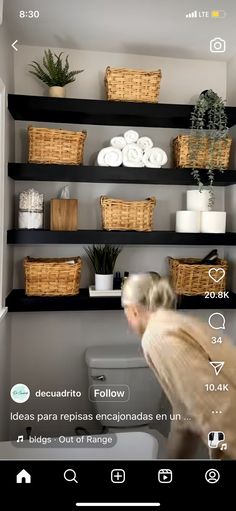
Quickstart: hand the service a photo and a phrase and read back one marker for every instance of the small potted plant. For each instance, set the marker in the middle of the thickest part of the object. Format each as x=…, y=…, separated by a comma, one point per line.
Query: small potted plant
x=209, y=128
x=103, y=259
x=54, y=73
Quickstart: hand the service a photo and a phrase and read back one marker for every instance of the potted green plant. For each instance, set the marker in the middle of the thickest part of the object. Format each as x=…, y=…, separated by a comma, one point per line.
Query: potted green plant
x=54, y=73
x=209, y=120
x=103, y=259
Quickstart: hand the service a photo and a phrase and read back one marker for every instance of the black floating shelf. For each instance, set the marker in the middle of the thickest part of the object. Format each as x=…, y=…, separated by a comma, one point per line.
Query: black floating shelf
x=93, y=174
x=17, y=301
x=99, y=112
x=83, y=236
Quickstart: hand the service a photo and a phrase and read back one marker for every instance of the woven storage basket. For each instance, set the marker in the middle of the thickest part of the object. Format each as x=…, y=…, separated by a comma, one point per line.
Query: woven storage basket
x=190, y=278
x=119, y=215
x=132, y=85
x=184, y=151
x=52, y=277
x=56, y=146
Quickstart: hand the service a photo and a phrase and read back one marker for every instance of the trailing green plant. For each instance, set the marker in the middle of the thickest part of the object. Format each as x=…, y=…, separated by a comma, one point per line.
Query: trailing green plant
x=208, y=119
x=103, y=258
x=54, y=72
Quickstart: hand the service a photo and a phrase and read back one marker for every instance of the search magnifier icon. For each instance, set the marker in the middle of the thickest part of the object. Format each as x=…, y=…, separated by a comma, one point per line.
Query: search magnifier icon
x=70, y=475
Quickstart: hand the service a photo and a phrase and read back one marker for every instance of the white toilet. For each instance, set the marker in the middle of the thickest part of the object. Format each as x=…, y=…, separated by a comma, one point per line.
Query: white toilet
x=124, y=367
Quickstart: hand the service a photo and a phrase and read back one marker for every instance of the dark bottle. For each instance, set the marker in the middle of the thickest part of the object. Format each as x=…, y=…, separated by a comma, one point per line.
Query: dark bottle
x=117, y=281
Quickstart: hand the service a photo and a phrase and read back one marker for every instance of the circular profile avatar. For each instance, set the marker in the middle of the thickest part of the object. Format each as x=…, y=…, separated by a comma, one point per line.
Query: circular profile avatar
x=20, y=393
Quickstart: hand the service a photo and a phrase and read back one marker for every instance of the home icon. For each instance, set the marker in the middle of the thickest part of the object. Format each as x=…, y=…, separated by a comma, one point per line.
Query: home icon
x=23, y=477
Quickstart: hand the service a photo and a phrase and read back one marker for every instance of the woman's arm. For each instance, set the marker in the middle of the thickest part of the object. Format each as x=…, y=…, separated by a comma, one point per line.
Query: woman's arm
x=182, y=369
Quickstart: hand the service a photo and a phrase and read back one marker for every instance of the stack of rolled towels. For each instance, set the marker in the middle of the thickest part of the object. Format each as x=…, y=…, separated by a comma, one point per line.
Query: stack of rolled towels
x=131, y=150
x=197, y=217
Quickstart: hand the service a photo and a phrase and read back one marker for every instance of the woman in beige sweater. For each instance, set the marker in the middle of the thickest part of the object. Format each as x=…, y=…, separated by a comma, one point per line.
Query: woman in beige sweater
x=179, y=349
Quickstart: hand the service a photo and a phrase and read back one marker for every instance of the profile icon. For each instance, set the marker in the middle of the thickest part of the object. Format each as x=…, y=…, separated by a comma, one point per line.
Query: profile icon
x=20, y=393
x=212, y=476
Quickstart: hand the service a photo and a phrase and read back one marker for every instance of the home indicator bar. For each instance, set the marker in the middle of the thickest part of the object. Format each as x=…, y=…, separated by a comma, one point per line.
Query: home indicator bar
x=117, y=504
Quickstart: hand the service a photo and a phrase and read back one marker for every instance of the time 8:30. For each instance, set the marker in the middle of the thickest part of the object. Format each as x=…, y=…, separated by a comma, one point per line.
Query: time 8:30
x=29, y=14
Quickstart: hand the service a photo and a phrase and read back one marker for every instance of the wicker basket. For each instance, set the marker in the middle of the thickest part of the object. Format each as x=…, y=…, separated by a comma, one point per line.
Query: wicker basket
x=119, y=215
x=56, y=146
x=190, y=278
x=52, y=277
x=132, y=85
x=183, y=152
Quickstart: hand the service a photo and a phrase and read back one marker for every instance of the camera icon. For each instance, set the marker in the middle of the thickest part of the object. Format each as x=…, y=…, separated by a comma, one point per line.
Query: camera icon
x=217, y=45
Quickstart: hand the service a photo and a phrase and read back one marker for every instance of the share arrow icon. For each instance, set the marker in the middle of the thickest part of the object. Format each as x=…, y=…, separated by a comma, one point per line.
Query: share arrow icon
x=217, y=366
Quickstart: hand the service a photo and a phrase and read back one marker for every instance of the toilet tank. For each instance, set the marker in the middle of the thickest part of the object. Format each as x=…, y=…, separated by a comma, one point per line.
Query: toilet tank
x=120, y=381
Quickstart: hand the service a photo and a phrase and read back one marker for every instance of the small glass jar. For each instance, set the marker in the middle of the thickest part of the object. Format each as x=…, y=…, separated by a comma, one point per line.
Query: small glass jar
x=30, y=214
x=29, y=219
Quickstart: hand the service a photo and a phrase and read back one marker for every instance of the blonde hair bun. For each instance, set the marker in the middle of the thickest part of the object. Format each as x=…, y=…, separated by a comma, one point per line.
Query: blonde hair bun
x=149, y=290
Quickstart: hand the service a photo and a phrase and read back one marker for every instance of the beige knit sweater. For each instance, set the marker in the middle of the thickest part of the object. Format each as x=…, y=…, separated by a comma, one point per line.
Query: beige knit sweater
x=178, y=348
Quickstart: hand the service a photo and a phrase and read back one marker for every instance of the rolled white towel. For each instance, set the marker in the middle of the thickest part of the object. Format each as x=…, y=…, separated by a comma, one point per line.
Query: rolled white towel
x=154, y=157
x=132, y=156
x=131, y=136
x=118, y=142
x=109, y=157
x=145, y=143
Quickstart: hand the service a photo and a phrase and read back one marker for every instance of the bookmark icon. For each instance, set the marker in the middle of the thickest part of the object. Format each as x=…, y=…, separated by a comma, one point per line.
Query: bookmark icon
x=217, y=366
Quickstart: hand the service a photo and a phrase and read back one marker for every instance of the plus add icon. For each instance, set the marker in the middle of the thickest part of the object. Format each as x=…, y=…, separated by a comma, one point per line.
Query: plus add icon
x=118, y=476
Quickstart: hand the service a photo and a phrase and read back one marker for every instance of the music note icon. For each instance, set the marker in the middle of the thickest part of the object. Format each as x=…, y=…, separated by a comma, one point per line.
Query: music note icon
x=20, y=439
x=223, y=447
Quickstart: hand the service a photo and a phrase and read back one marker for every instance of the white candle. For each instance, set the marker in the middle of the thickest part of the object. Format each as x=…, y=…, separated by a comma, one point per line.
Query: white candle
x=198, y=201
x=188, y=221
x=213, y=221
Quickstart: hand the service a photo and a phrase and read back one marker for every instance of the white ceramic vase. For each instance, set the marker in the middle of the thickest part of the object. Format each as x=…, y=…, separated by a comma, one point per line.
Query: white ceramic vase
x=188, y=221
x=213, y=221
x=198, y=201
x=103, y=282
x=57, y=92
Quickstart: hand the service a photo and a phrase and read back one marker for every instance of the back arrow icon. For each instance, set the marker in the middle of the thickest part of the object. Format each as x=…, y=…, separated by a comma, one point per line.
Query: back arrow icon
x=13, y=45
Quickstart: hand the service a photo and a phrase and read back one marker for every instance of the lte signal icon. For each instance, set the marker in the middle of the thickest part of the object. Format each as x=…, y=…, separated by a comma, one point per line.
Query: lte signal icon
x=193, y=14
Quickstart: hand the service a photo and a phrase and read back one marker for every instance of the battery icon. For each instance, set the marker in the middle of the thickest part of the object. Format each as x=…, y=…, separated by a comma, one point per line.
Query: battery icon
x=218, y=14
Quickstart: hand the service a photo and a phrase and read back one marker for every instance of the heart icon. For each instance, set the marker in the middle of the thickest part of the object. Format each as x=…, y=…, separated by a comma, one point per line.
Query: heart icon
x=216, y=274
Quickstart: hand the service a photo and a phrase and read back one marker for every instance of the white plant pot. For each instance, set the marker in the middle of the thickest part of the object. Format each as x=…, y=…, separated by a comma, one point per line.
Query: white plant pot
x=103, y=282
x=198, y=201
x=188, y=221
x=57, y=92
x=213, y=221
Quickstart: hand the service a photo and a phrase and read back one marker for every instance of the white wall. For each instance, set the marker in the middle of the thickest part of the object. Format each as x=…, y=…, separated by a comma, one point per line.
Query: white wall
x=231, y=73
x=182, y=79
x=6, y=75
x=48, y=348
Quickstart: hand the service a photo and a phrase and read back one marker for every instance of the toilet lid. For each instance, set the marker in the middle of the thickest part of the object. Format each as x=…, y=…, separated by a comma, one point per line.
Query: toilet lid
x=116, y=356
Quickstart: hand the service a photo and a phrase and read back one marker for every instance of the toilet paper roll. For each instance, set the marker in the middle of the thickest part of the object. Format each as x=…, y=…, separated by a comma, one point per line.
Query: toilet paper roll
x=198, y=201
x=213, y=221
x=188, y=221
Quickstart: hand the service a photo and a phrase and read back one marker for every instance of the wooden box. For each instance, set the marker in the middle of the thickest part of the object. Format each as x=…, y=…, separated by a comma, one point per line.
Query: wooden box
x=64, y=215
